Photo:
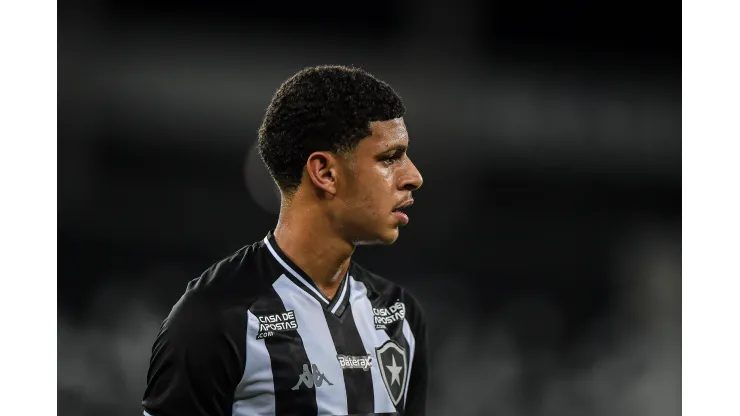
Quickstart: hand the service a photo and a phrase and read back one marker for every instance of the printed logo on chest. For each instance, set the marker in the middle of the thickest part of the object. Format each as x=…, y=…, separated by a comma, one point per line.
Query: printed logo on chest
x=362, y=362
x=386, y=316
x=276, y=322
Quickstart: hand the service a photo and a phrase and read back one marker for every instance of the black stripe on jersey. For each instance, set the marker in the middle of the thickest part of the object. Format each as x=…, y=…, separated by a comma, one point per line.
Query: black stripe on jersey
x=358, y=383
x=284, y=356
x=395, y=329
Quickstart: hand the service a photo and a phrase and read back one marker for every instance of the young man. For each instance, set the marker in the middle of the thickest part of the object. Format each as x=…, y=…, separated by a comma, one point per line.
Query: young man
x=290, y=325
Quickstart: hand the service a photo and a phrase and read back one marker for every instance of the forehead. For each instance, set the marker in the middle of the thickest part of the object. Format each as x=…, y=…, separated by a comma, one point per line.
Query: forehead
x=386, y=134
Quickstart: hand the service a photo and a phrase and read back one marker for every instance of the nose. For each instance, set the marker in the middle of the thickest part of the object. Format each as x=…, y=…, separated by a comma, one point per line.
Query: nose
x=411, y=179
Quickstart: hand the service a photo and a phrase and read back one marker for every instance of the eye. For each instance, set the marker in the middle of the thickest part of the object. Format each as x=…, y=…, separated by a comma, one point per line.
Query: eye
x=392, y=158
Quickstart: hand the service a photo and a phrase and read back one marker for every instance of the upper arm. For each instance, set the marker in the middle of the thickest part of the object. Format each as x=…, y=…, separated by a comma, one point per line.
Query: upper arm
x=197, y=361
x=416, y=397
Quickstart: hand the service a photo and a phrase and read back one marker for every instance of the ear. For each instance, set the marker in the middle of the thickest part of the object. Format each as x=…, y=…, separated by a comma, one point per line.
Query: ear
x=322, y=169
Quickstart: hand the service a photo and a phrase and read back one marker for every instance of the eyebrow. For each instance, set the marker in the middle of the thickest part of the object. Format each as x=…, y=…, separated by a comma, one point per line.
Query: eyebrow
x=396, y=148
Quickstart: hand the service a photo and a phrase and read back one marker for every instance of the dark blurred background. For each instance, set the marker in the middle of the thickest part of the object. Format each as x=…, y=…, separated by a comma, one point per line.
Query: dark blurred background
x=545, y=244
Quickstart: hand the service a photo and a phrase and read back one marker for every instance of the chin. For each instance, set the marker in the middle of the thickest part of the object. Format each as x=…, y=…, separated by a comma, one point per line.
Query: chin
x=383, y=238
x=391, y=236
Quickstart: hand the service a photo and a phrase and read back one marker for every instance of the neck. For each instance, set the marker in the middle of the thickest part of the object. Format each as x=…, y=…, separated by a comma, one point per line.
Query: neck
x=299, y=228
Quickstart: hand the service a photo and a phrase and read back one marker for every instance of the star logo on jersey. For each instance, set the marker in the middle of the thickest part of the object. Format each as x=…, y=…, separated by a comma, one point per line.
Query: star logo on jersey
x=393, y=367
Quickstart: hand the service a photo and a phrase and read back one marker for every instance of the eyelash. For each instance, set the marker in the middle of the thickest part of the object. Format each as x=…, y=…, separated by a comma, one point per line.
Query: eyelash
x=392, y=159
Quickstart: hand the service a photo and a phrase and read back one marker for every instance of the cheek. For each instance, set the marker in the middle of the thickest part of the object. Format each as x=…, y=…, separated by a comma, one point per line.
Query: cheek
x=388, y=174
x=373, y=190
x=384, y=184
x=372, y=200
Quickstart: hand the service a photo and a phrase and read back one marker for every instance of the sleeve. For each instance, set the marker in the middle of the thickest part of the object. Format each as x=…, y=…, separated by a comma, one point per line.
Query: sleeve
x=416, y=396
x=197, y=361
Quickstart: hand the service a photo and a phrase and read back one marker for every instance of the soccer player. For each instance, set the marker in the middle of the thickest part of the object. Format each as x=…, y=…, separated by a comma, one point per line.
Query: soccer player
x=290, y=325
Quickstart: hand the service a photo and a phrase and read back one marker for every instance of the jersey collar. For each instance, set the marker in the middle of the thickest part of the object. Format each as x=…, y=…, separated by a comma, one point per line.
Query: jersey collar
x=337, y=305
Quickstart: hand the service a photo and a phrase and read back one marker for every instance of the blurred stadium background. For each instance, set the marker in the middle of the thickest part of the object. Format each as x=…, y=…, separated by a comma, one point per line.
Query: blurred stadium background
x=545, y=244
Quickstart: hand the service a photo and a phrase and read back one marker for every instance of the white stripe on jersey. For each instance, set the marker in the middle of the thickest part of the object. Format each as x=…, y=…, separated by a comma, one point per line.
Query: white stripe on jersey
x=362, y=311
x=411, y=341
x=318, y=343
x=258, y=396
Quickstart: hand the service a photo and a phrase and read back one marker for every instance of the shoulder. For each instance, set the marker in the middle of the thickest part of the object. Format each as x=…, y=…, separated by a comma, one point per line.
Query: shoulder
x=219, y=298
x=379, y=288
x=199, y=355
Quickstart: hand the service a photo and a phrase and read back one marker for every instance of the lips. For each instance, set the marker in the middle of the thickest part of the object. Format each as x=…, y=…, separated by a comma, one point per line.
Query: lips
x=404, y=205
x=399, y=214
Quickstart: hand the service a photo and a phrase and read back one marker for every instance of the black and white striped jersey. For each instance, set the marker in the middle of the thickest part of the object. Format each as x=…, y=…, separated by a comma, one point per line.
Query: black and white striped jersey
x=253, y=335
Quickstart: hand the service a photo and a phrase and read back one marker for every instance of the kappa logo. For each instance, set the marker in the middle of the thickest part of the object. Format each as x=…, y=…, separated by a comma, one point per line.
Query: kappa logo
x=393, y=369
x=311, y=377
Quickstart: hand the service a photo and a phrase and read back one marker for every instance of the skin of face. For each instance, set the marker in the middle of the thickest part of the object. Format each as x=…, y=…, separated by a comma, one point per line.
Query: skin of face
x=371, y=182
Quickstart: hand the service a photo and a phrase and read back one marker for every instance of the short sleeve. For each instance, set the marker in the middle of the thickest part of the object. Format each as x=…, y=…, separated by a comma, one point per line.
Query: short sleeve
x=197, y=360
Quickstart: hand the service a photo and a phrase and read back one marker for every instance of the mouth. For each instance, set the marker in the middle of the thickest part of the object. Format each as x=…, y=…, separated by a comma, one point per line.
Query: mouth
x=404, y=205
x=400, y=215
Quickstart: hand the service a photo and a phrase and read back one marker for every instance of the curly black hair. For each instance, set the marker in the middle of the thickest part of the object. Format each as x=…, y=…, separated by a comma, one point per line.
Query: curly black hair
x=322, y=108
